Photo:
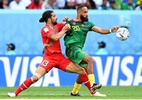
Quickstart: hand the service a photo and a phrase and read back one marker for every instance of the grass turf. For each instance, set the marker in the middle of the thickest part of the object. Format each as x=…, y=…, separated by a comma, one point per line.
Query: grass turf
x=60, y=93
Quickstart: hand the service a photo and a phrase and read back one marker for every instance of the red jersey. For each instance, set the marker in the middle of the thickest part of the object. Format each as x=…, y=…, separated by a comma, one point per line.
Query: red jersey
x=33, y=5
x=46, y=31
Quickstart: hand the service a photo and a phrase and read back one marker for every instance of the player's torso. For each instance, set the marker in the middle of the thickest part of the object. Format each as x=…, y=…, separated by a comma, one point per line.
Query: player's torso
x=77, y=34
x=55, y=46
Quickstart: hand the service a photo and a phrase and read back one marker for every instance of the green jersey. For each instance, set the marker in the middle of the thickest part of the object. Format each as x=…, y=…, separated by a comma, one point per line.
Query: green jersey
x=78, y=33
x=75, y=39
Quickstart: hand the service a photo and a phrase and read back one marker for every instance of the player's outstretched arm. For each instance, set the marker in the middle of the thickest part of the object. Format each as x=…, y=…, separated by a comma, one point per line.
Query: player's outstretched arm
x=57, y=36
x=104, y=31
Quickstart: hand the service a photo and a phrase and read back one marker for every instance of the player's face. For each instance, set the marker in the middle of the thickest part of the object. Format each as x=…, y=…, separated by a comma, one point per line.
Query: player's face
x=54, y=19
x=84, y=14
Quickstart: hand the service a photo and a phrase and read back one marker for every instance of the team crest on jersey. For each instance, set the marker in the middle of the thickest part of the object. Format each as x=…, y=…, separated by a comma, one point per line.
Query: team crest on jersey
x=82, y=25
x=46, y=29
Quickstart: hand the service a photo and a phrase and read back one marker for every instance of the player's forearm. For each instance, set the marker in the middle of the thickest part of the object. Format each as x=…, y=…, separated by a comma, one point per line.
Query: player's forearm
x=57, y=36
x=101, y=30
x=105, y=31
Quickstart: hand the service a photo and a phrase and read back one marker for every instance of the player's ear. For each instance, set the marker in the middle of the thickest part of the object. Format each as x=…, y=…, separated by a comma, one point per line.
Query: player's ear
x=49, y=20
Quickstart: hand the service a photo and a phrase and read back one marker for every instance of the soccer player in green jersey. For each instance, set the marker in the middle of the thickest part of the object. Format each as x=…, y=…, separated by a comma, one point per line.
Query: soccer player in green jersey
x=74, y=41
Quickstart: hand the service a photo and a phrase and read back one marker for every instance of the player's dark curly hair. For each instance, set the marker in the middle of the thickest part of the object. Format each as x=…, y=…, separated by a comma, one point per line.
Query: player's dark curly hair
x=45, y=16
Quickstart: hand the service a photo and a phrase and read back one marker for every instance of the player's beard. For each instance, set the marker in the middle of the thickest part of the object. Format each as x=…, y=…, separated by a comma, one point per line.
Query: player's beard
x=54, y=23
x=83, y=18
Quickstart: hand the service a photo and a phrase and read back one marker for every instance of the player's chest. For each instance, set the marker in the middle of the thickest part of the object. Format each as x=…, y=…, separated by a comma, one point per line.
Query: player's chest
x=81, y=27
x=54, y=30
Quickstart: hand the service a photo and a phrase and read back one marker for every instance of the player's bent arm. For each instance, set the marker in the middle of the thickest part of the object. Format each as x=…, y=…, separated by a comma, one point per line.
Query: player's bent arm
x=56, y=37
x=100, y=30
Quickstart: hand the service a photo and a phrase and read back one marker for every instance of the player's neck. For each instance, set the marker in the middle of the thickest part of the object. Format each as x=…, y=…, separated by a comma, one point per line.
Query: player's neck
x=50, y=25
x=77, y=19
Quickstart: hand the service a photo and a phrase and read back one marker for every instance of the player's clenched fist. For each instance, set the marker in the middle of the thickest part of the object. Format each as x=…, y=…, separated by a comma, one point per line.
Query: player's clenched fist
x=66, y=27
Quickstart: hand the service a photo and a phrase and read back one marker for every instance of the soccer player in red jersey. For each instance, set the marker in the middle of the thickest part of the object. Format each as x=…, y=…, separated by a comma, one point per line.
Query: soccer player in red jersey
x=51, y=33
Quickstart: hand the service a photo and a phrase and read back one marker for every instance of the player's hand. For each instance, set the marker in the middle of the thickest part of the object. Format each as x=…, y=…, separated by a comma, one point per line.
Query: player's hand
x=66, y=27
x=65, y=19
x=114, y=29
x=47, y=45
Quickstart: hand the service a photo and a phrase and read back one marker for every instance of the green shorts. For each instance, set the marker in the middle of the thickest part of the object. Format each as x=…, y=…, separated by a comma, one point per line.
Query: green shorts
x=76, y=54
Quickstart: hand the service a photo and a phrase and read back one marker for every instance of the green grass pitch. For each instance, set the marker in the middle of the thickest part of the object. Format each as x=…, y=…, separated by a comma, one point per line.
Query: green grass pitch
x=62, y=93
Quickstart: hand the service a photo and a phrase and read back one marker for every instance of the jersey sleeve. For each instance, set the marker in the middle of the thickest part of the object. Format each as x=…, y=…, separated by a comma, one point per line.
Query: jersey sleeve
x=45, y=32
x=91, y=25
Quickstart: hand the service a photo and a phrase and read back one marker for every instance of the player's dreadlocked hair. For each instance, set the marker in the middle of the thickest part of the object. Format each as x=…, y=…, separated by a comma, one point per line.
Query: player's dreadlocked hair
x=45, y=16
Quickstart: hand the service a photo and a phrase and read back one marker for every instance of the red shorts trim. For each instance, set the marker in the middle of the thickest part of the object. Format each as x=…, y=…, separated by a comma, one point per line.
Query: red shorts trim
x=55, y=60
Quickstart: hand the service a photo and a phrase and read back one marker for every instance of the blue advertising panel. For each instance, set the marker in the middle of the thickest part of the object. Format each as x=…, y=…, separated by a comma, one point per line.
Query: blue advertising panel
x=23, y=29
x=111, y=70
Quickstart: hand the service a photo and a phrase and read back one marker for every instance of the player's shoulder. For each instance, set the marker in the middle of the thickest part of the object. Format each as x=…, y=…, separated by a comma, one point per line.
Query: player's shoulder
x=90, y=23
x=60, y=24
x=45, y=28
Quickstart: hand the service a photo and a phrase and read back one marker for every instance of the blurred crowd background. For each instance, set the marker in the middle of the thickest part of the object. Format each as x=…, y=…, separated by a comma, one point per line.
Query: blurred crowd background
x=72, y=4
